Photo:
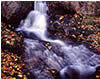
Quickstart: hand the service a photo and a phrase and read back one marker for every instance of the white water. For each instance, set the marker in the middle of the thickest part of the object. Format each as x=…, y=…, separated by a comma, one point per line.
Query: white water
x=36, y=22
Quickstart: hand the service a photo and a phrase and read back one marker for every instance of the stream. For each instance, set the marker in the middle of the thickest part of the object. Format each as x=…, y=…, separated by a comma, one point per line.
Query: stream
x=72, y=62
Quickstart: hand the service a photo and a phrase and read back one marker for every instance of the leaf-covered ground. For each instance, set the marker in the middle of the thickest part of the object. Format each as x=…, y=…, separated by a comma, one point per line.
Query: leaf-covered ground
x=77, y=28
x=12, y=65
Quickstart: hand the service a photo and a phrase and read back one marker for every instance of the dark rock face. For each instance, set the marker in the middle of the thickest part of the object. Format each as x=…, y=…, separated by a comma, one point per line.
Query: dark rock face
x=13, y=12
x=60, y=8
x=64, y=7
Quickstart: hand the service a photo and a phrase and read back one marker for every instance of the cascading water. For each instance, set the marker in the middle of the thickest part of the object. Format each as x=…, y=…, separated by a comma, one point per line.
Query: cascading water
x=78, y=58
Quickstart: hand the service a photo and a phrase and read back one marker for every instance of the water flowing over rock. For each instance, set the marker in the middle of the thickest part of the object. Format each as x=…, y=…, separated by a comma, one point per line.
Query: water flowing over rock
x=62, y=57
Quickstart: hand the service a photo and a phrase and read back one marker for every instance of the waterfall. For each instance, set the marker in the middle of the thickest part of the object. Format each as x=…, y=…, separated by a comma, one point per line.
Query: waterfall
x=79, y=56
x=40, y=6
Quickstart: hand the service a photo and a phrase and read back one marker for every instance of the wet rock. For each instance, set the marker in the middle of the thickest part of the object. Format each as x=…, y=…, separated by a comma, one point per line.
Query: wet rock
x=65, y=7
x=47, y=63
x=62, y=9
x=14, y=11
x=75, y=72
x=87, y=8
x=35, y=61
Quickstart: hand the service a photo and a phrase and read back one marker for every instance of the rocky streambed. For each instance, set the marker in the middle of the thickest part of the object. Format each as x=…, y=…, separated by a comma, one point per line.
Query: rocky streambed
x=76, y=26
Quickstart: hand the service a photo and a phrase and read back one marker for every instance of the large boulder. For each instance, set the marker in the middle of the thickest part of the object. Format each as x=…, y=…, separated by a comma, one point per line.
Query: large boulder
x=64, y=7
x=13, y=11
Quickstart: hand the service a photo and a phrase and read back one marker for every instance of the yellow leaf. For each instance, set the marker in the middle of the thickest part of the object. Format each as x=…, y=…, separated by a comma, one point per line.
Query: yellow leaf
x=58, y=22
x=74, y=36
x=62, y=22
x=61, y=17
x=11, y=63
x=51, y=21
x=90, y=47
x=14, y=78
x=7, y=42
x=78, y=22
x=49, y=47
x=25, y=77
x=17, y=68
x=75, y=15
x=97, y=76
x=53, y=71
x=12, y=73
x=12, y=39
x=20, y=75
